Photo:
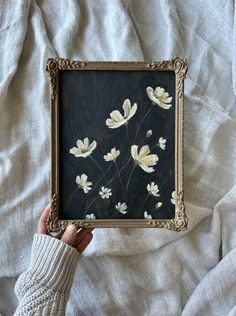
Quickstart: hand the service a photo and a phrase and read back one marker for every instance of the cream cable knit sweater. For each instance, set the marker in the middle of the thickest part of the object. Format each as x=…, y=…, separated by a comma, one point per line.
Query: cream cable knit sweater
x=43, y=289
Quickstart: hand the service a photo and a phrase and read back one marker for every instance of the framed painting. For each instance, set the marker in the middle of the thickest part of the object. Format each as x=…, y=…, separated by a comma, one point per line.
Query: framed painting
x=117, y=144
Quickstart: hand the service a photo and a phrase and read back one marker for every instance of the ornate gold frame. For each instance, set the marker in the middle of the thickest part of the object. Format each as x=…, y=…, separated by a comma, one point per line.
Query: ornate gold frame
x=179, y=66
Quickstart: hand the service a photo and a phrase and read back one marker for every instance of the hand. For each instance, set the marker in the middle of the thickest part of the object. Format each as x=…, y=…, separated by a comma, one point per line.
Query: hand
x=70, y=236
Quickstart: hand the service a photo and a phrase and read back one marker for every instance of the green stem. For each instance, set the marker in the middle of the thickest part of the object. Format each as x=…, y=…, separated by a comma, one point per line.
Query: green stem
x=126, y=132
x=119, y=175
x=143, y=201
x=140, y=124
x=116, y=175
x=153, y=147
x=129, y=178
x=99, y=167
x=94, y=187
x=99, y=180
x=144, y=138
x=114, y=214
x=90, y=204
x=105, y=208
x=153, y=209
x=70, y=198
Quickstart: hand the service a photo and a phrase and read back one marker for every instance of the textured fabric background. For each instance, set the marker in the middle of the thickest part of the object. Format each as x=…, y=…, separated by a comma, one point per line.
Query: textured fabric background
x=136, y=271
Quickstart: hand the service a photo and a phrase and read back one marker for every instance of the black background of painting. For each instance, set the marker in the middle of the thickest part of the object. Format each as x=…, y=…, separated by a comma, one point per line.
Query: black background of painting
x=86, y=99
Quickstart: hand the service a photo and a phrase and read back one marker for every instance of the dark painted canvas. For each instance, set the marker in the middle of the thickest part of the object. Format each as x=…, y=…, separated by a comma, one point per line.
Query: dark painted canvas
x=116, y=144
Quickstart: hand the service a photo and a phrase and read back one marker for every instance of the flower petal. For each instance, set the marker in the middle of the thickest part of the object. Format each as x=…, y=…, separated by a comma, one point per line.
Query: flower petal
x=150, y=92
x=134, y=152
x=112, y=124
x=164, y=105
x=92, y=146
x=77, y=179
x=156, y=100
x=113, y=151
x=159, y=91
x=144, y=151
x=147, y=216
x=86, y=142
x=147, y=169
x=84, y=155
x=116, y=116
x=79, y=143
x=150, y=160
x=158, y=205
x=168, y=100
x=75, y=151
x=149, y=133
x=84, y=177
x=133, y=110
x=127, y=107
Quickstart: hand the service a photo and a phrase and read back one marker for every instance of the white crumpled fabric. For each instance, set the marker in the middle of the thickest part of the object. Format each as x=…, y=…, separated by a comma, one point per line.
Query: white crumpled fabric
x=125, y=271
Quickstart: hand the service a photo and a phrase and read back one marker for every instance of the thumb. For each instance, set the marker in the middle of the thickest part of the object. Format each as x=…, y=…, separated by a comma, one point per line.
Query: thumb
x=69, y=235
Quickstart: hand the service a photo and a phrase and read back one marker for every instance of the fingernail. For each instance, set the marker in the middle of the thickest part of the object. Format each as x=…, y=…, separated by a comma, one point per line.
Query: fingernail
x=71, y=229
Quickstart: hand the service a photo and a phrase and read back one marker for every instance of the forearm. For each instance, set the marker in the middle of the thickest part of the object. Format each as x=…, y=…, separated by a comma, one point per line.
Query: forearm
x=43, y=289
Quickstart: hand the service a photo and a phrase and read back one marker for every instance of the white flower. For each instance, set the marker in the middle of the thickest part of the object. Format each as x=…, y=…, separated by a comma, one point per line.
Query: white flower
x=83, y=148
x=162, y=143
x=117, y=119
x=90, y=216
x=143, y=159
x=83, y=183
x=112, y=155
x=105, y=193
x=147, y=216
x=121, y=207
x=152, y=189
x=160, y=97
x=149, y=133
x=173, y=195
x=158, y=205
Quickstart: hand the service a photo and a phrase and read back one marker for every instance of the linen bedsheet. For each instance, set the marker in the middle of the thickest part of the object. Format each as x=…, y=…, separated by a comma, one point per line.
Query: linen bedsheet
x=125, y=271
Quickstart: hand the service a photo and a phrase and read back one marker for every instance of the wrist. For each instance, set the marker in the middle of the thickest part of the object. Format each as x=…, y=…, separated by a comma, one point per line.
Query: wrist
x=53, y=262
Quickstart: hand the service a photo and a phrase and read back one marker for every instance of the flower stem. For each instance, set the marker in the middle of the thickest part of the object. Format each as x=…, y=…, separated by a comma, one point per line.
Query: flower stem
x=129, y=178
x=153, y=209
x=99, y=167
x=115, y=213
x=140, y=143
x=99, y=180
x=140, y=124
x=125, y=165
x=70, y=198
x=119, y=175
x=143, y=201
x=153, y=147
x=126, y=132
x=91, y=203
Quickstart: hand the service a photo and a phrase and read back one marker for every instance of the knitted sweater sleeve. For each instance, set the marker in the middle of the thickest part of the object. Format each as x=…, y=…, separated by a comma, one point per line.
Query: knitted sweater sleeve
x=43, y=289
